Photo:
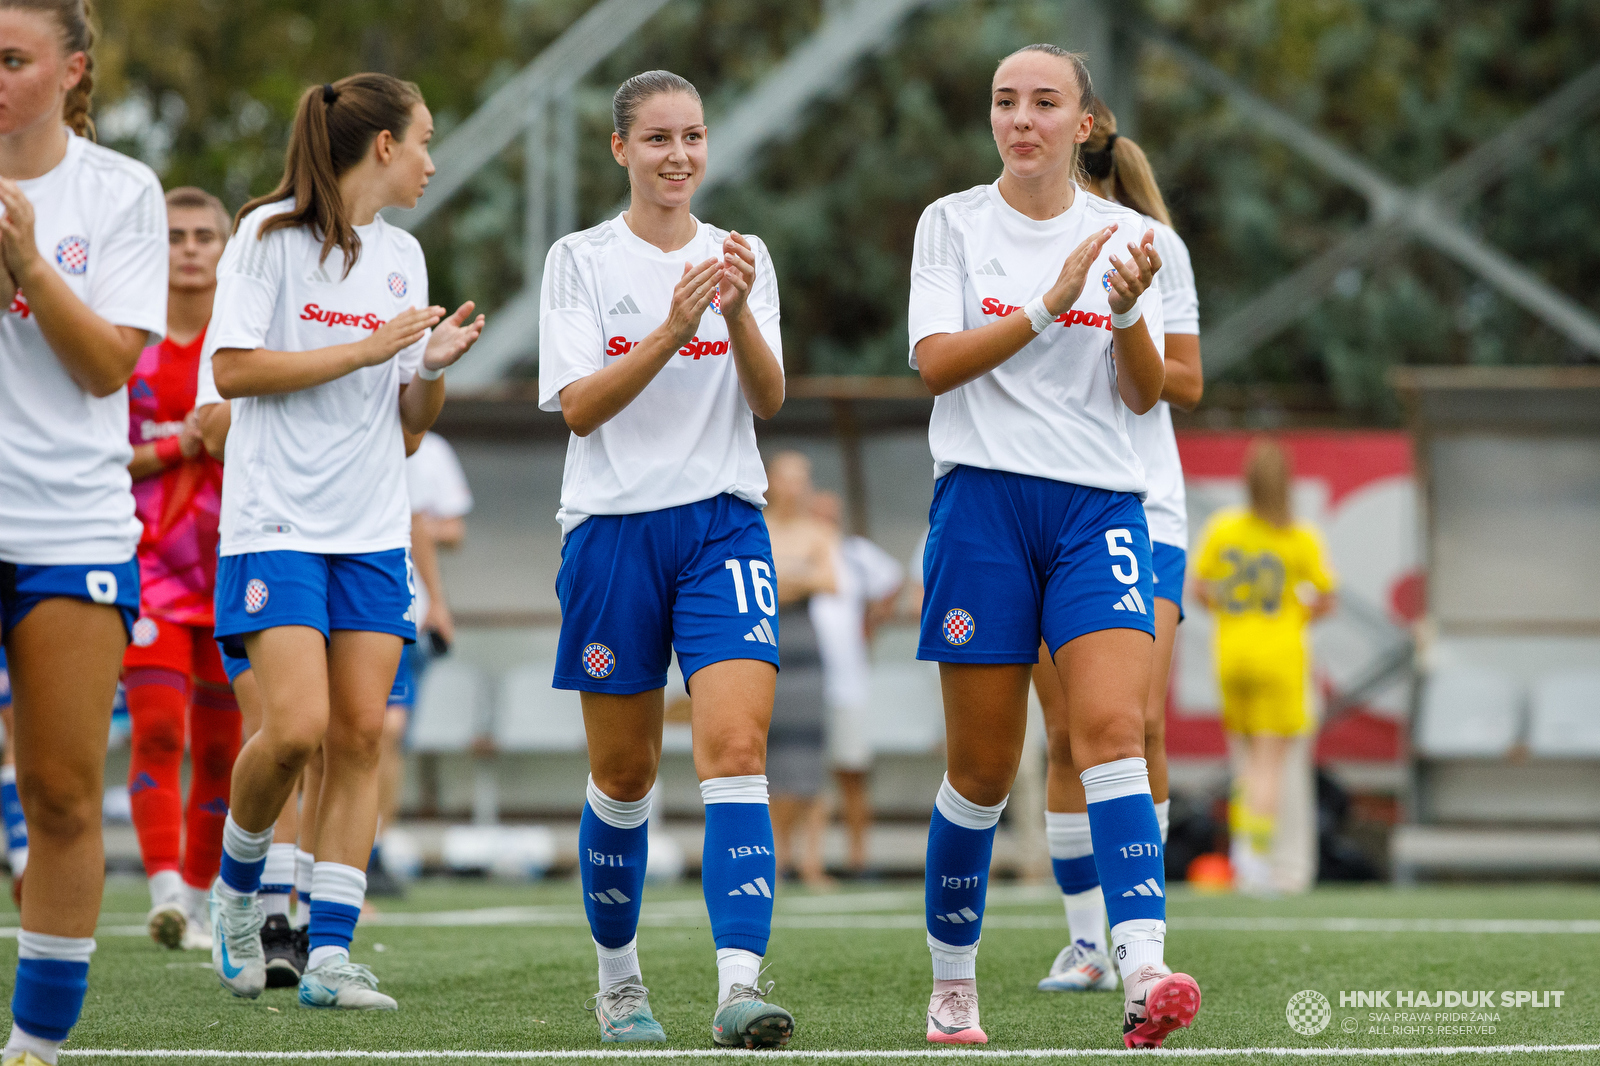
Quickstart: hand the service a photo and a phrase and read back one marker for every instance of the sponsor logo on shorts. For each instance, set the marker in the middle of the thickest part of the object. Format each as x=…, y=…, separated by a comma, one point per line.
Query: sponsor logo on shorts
x=598, y=661
x=958, y=627
x=255, y=595
x=397, y=285
x=145, y=632
x=72, y=255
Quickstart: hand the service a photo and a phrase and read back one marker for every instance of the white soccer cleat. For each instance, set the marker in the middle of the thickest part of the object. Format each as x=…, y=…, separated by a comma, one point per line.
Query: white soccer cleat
x=236, y=953
x=197, y=932
x=953, y=1017
x=1080, y=968
x=339, y=984
x=168, y=923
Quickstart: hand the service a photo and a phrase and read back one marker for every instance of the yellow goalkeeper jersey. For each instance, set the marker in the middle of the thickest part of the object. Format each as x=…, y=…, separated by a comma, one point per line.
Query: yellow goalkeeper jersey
x=1262, y=575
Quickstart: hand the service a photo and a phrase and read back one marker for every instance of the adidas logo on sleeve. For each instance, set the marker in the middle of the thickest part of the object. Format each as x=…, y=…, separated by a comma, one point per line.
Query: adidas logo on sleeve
x=1131, y=601
x=762, y=634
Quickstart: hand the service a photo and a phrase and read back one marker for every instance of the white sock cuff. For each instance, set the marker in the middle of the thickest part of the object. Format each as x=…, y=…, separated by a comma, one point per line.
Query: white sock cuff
x=1139, y=929
x=61, y=948
x=617, y=953
x=752, y=788
x=953, y=962
x=963, y=812
x=280, y=868
x=1068, y=834
x=8, y=774
x=334, y=882
x=241, y=844
x=1163, y=814
x=619, y=814
x=1113, y=780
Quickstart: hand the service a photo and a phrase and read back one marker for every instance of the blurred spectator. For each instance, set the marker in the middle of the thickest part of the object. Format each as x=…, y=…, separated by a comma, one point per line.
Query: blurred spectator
x=1266, y=578
x=804, y=552
x=869, y=580
x=440, y=502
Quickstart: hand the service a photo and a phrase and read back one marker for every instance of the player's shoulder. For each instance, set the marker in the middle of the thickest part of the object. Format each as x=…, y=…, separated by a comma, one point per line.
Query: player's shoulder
x=1098, y=211
x=401, y=241
x=125, y=189
x=1227, y=520
x=961, y=205
x=251, y=223
x=588, y=244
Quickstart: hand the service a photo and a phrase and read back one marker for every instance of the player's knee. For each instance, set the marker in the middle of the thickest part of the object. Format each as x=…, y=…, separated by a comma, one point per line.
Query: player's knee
x=1155, y=733
x=983, y=786
x=214, y=760
x=739, y=757
x=625, y=784
x=62, y=807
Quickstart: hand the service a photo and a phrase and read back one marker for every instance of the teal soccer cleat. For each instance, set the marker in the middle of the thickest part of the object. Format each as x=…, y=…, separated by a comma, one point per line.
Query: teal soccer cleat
x=339, y=984
x=236, y=953
x=746, y=1019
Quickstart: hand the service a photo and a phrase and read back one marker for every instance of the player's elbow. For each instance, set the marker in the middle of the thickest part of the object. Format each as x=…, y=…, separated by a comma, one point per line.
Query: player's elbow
x=1184, y=395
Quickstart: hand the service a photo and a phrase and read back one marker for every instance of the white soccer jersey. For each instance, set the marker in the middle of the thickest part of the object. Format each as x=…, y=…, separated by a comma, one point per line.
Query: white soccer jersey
x=690, y=435
x=65, y=497
x=1051, y=410
x=323, y=469
x=1165, y=507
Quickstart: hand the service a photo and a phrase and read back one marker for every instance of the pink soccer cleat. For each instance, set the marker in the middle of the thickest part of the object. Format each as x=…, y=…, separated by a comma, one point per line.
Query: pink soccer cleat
x=1156, y=1003
x=953, y=1014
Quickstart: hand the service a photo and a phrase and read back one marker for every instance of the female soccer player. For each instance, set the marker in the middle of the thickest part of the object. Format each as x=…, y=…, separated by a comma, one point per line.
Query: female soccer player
x=322, y=337
x=1117, y=170
x=173, y=674
x=658, y=341
x=83, y=278
x=1033, y=338
x=1266, y=578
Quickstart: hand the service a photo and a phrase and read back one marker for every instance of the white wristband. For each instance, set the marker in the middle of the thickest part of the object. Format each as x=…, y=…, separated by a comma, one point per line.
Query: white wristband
x=1126, y=319
x=430, y=375
x=1038, y=315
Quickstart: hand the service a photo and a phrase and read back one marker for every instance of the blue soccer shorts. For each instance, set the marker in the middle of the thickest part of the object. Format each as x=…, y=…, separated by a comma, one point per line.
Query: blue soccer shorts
x=1169, y=564
x=372, y=591
x=23, y=587
x=5, y=680
x=634, y=587
x=1012, y=558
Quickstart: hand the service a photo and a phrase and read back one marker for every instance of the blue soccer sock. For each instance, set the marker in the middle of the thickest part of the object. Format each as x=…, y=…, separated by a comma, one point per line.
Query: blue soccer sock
x=1072, y=858
x=960, y=845
x=737, y=874
x=613, y=848
x=1127, y=853
x=16, y=824
x=52, y=979
x=244, y=856
x=337, y=892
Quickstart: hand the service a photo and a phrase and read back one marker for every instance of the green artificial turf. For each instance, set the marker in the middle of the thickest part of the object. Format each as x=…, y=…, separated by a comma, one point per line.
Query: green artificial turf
x=519, y=986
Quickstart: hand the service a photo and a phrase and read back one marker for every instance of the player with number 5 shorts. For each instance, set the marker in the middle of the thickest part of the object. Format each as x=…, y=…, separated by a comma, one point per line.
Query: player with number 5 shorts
x=324, y=339
x=658, y=343
x=1037, y=340
x=83, y=289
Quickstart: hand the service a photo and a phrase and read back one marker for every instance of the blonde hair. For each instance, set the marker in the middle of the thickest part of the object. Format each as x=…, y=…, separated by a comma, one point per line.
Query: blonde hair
x=77, y=35
x=1268, y=472
x=1109, y=156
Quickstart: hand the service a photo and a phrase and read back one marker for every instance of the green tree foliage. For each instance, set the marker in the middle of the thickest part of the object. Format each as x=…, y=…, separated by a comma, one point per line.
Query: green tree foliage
x=205, y=89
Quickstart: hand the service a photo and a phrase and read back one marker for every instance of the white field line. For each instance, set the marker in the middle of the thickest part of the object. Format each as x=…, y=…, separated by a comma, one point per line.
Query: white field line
x=681, y=915
x=917, y=1053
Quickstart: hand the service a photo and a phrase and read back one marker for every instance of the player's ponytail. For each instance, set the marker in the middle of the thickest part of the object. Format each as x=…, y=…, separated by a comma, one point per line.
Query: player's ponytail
x=77, y=35
x=334, y=126
x=1267, y=475
x=1110, y=157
